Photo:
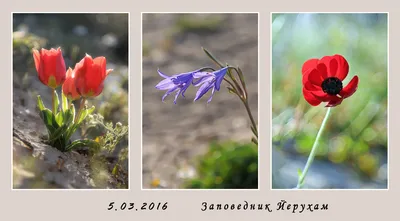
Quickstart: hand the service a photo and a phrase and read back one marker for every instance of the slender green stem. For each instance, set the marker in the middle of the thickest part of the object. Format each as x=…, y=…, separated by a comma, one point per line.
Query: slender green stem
x=227, y=81
x=241, y=92
x=53, y=99
x=253, y=122
x=313, y=151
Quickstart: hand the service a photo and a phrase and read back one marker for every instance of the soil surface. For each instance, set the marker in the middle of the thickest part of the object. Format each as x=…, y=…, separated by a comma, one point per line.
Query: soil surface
x=174, y=135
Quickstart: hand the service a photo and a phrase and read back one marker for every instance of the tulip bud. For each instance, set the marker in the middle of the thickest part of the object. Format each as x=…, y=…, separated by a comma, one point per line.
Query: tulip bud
x=90, y=75
x=50, y=66
x=68, y=87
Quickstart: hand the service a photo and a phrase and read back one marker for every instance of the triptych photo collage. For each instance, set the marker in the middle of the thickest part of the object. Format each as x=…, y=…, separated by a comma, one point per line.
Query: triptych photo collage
x=200, y=101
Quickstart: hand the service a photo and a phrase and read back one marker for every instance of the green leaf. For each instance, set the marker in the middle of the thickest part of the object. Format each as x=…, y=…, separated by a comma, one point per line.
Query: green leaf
x=115, y=170
x=83, y=143
x=49, y=120
x=241, y=77
x=85, y=113
x=231, y=90
x=56, y=101
x=40, y=103
x=90, y=110
x=254, y=140
x=60, y=118
x=71, y=130
x=235, y=82
x=229, y=73
x=69, y=116
x=212, y=57
x=253, y=130
x=72, y=108
x=64, y=127
x=206, y=69
x=64, y=101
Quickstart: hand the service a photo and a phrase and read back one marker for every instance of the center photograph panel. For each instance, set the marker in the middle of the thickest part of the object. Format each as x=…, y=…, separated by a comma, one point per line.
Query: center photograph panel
x=200, y=101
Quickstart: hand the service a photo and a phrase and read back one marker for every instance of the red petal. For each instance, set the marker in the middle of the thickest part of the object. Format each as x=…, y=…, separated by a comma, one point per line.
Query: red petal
x=108, y=71
x=322, y=96
x=326, y=61
x=36, y=58
x=310, y=98
x=310, y=87
x=350, y=88
x=323, y=70
x=315, y=77
x=101, y=61
x=98, y=90
x=60, y=67
x=88, y=60
x=334, y=102
x=80, y=75
x=309, y=65
x=39, y=65
x=68, y=87
x=333, y=68
x=343, y=67
x=69, y=74
x=49, y=65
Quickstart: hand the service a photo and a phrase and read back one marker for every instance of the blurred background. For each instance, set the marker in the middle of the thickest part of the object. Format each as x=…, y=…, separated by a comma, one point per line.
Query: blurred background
x=195, y=145
x=76, y=34
x=352, y=153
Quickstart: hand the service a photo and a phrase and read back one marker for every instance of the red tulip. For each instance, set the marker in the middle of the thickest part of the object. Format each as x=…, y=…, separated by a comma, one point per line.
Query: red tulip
x=68, y=87
x=50, y=66
x=90, y=75
x=322, y=80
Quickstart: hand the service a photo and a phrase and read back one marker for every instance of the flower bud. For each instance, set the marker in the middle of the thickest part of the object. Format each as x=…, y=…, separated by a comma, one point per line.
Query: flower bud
x=50, y=66
x=68, y=87
x=90, y=75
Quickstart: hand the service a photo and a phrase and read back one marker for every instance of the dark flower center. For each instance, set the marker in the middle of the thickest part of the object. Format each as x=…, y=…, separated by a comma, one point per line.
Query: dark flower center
x=332, y=85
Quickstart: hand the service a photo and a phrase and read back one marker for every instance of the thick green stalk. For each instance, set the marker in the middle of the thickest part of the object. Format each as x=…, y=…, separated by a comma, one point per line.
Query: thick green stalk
x=313, y=151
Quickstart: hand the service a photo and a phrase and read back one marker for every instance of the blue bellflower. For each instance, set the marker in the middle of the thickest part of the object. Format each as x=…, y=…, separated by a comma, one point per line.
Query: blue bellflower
x=207, y=81
x=177, y=82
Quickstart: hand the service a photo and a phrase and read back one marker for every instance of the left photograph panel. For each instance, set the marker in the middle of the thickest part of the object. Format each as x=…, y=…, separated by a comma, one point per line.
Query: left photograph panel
x=70, y=100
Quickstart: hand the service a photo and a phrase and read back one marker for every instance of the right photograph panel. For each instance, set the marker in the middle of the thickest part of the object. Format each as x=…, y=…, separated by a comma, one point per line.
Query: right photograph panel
x=329, y=101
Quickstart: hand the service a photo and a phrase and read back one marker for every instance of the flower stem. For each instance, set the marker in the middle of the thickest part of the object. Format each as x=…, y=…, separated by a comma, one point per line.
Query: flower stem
x=313, y=151
x=81, y=105
x=245, y=101
x=53, y=100
x=253, y=122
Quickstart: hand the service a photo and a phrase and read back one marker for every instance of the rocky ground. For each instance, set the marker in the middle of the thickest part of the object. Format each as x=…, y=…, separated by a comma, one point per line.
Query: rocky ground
x=174, y=135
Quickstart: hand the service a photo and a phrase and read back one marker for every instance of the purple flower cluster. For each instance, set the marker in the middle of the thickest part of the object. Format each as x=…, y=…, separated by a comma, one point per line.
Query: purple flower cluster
x=179, y=83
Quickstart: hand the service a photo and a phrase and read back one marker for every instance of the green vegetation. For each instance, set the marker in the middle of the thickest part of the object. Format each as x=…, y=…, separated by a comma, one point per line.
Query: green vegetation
x=194, y=23
x=227, y=166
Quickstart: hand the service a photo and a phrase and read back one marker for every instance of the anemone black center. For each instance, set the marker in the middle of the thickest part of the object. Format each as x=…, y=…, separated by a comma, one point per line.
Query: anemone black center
x=332, y=85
